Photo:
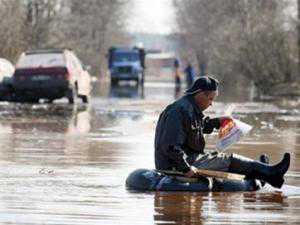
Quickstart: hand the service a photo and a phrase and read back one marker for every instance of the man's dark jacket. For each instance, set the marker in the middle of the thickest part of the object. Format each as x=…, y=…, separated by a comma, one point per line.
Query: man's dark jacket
x=179, y=134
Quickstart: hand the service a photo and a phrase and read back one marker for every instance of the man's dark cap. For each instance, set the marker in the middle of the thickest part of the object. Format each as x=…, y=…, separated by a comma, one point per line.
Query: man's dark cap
x=205, y=83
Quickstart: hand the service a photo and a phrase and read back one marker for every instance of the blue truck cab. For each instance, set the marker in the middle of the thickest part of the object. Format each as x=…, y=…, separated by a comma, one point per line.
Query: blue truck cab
x=126, y=64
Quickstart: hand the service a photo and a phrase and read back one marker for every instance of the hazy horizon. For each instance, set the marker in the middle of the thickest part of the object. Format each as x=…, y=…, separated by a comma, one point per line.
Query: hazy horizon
x=155, y=17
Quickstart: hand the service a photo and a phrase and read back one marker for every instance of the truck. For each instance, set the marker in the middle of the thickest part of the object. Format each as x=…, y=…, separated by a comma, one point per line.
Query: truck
x=126, y=63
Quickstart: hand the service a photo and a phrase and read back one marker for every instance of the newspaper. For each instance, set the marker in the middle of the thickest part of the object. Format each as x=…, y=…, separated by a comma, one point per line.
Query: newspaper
x=230, y=132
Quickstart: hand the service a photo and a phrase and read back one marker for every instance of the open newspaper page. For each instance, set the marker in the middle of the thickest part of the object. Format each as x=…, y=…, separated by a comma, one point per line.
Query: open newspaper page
x=230, y=132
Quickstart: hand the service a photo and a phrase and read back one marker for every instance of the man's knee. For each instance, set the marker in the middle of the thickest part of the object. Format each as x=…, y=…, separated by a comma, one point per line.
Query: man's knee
x=215, y=161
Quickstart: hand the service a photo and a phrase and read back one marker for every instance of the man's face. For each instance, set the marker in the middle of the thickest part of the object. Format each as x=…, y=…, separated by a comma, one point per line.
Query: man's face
x=204, y=99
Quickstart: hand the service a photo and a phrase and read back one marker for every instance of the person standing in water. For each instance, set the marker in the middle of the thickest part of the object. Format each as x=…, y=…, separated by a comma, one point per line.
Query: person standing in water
x=189, y=75
x=177, y=77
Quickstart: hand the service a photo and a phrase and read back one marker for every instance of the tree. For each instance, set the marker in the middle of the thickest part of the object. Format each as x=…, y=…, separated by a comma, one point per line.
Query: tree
x=11, y=29
x=298, y=29
x=39, y=17
x=249, y=39
x=89, y=27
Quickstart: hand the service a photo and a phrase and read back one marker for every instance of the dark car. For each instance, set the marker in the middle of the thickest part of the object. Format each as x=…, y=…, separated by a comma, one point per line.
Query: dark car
x=6, y=72
x=50, y=74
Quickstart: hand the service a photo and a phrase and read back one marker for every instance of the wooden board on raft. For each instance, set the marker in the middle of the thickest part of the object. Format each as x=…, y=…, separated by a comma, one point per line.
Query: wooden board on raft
x=207, y=173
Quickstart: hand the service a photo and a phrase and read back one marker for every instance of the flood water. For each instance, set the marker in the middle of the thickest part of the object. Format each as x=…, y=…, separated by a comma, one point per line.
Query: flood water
x=61, y=164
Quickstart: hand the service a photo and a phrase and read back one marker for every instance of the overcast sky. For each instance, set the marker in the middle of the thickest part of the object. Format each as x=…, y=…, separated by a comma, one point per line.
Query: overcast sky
x=152, y=16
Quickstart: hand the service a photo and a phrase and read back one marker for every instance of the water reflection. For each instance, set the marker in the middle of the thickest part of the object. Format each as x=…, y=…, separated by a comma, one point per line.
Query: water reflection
x=65, y=165
x=218, y=208
x=177, y=91
x=178, y=208
x=48, y=118
x=46, y=131
x=127, y=90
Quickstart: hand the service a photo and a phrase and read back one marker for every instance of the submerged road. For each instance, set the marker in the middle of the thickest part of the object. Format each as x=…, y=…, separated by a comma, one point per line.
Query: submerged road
x=61, y=164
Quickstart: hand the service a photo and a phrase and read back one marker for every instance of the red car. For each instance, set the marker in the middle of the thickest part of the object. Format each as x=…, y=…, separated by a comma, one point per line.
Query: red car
x=50, y=74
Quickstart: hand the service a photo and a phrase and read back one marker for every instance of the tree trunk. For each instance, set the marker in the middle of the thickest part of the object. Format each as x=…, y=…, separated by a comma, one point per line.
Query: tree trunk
x=298, y=29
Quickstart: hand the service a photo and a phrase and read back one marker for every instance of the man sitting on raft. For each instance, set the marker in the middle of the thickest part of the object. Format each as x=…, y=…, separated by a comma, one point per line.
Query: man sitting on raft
x=179, y=140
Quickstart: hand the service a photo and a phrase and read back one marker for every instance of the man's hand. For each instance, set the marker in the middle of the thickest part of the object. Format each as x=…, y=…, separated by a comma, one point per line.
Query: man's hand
x=192, y=172
x=223, y=119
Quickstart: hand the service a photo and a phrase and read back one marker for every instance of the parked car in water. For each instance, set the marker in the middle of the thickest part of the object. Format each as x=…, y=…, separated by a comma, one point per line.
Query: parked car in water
x=6, y=71
x=51, y=74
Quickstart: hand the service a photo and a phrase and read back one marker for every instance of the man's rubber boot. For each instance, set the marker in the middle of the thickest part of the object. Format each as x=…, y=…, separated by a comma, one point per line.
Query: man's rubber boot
x=257, y=170
x=264, y=158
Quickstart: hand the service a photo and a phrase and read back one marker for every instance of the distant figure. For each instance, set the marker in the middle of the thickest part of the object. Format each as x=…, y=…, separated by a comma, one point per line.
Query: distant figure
x=177, y=92
x=177, y=78
x=189, y=75
x=177, y=73
x=176, y=63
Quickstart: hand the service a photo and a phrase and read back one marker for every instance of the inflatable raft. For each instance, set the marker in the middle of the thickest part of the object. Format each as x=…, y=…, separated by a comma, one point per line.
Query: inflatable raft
x=153, y=180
